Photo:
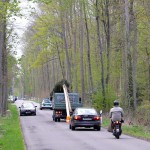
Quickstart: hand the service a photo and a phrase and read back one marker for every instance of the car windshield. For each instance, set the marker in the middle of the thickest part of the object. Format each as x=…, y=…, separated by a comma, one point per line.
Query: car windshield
x=46, y=101
x=28, y=105
x=86, y=111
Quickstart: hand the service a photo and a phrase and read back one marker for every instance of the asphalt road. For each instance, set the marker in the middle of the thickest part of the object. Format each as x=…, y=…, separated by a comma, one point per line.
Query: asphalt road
x=40, y=132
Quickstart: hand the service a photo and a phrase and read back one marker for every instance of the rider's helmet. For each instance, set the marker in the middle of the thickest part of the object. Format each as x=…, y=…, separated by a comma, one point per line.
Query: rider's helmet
x=116, y=103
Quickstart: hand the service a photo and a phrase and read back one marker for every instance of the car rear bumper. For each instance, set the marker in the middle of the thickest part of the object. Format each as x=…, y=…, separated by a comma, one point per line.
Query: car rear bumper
x=46, y=107
x=28, y=112
x=60, y=116
x=86, y=124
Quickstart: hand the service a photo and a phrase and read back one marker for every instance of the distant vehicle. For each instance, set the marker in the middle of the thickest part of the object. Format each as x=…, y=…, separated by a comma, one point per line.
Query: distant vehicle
x=10, y=99
x=46, y=104
x=85, y=117
x=15, y=98
x=27, y=108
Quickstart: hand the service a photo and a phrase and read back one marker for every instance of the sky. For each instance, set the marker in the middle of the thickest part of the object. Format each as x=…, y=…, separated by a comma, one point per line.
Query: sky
x=20, y=24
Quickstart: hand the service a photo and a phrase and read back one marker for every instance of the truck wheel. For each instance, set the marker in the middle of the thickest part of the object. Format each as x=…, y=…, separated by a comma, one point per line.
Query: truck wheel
x=55, y=119
x=58, y=119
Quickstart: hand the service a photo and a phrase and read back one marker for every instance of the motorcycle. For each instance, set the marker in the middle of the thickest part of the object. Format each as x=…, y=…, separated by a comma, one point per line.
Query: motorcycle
x=117, y=129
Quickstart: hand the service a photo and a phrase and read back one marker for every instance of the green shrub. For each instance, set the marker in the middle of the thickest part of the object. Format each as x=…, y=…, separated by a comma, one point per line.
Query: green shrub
x=98, y=102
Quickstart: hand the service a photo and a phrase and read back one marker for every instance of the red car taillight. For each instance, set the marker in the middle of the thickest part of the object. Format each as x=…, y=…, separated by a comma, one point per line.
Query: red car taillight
x=77, y=117
x=96, y=118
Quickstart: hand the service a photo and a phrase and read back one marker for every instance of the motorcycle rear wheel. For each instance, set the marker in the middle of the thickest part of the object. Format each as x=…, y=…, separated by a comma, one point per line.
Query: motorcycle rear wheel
x=117, y=136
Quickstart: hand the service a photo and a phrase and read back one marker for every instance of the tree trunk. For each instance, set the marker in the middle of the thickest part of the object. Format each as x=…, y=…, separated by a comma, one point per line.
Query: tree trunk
x=74, y=38
x=81, y=37
x=5, y=91
x=1, y=68
x=100, y=50
x=90, y=79
x=133, y=24
x=68, y=66
x=107, y=32
x=126, y=54
x=3, y=61
x=148, y=60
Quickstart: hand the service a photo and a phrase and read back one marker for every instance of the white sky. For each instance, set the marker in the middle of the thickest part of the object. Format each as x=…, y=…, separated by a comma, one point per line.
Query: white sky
x=19, y=24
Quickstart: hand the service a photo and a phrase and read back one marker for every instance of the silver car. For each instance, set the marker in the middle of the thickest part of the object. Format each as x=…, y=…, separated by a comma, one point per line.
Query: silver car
x=46, y=104
x=27, y=108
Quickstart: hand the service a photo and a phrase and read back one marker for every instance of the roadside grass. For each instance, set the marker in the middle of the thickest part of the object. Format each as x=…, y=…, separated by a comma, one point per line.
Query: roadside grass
x=10, y=131
x=132, y=130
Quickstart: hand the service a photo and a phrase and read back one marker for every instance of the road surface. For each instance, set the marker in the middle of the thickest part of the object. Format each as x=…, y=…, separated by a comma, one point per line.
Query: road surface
x=40, y=132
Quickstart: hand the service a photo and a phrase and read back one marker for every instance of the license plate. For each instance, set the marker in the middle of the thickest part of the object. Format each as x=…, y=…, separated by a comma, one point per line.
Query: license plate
x=28, y=112
x=117, y=130
x=87, y=118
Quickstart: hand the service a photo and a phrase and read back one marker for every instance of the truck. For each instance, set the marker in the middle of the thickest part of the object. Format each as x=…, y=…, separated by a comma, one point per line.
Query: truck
x=59, y=105
x=57, y=97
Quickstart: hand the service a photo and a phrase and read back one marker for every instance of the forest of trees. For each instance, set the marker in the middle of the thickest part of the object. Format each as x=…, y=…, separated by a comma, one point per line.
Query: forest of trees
x=102, y=47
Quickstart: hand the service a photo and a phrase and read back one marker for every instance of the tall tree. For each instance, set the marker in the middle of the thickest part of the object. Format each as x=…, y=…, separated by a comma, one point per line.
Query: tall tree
x=90, y=78
x=3, y=60
x=81, y=38
x=100, y=49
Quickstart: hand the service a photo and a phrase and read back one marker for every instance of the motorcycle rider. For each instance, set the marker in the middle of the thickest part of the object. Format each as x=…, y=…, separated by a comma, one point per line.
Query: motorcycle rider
x=116, y=114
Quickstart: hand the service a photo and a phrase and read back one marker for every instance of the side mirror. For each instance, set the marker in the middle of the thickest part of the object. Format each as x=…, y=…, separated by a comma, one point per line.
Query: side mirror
x=19, y=107
x=35, y=106
x=100, y=112
x=101, y=115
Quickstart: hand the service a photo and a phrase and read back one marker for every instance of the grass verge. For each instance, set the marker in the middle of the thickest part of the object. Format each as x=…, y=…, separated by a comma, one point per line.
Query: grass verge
x=132, y=130
x=10, y=131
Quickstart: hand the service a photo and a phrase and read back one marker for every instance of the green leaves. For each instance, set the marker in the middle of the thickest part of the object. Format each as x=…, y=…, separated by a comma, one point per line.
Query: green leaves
x=43, y=57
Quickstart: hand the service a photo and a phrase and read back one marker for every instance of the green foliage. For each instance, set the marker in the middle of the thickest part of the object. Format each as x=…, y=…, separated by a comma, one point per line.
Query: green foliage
x=8, y=9
x=44, y=40
x=43, y=57
x=58, y=88
x=137, y=131
x=11, y=61
x=98, y=103
x=10, y=131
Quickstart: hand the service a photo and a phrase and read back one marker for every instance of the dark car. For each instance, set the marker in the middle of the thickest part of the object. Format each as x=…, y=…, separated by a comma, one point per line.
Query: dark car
x=85, y=117
x=46, y=104
x=27, y=108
